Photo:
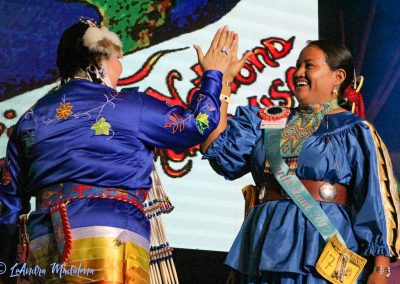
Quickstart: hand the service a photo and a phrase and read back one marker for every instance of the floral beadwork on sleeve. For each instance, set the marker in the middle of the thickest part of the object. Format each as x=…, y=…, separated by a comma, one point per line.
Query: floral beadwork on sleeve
x=176, y=122
x=202, y=123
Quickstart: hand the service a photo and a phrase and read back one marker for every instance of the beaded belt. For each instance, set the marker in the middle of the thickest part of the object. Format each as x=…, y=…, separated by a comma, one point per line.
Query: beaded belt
x=64, y=192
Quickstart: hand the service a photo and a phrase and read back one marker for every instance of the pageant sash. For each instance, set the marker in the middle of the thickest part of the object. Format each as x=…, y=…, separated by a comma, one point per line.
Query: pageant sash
x=337, y=264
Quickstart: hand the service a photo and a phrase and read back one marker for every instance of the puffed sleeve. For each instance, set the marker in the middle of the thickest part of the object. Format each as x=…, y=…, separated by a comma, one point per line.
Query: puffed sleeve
x=165, y=126
x=229, y=155
x=11, y=205
x=375, y=210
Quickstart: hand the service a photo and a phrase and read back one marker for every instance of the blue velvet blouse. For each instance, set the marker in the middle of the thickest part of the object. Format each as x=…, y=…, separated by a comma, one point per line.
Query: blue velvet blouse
x=276, y=236
x=88, y=133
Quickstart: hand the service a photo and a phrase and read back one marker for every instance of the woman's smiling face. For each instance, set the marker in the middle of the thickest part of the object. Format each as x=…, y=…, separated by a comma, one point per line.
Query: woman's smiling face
x=314, y=80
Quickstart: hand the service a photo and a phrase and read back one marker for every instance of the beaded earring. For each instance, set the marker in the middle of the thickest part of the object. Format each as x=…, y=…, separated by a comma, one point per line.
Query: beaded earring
x=93, y=73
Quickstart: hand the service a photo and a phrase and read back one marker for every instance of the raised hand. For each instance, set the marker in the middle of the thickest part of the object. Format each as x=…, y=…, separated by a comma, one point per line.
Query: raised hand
x=218, y=56
x=236, y=64
x=222, y=54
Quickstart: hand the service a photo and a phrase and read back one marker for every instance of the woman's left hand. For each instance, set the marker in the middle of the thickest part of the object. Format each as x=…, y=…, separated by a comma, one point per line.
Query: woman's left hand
x=377, y=278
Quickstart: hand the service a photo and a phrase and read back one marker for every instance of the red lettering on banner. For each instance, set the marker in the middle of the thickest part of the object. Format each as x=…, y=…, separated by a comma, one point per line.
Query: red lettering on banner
x=241, y=79
x=266, y=101
x=285, y=98
x=252, y=101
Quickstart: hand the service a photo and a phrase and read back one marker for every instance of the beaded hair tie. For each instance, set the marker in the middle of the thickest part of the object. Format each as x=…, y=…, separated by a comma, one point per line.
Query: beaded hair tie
x=88, y=21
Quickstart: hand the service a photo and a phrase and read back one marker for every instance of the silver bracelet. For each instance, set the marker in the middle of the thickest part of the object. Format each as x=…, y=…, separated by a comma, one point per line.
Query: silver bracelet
x=385, y=270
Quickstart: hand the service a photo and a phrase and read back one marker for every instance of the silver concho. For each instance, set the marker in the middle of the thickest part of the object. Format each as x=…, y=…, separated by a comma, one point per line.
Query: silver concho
x=327, y=191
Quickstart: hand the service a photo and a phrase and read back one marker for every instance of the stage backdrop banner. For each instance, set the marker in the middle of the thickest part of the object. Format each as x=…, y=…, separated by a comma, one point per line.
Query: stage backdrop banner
x=161, y=60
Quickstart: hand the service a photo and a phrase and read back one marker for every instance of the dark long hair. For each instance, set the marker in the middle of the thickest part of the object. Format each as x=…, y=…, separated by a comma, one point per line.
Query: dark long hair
x=337, y=56
x=72, y=55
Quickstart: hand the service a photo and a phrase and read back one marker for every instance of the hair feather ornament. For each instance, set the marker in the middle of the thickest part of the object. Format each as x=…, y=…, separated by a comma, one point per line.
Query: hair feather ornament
x=103, y=41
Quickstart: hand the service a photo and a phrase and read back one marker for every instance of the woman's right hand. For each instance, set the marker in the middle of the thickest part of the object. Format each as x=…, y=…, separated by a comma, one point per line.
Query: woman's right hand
x=219, y=54
x=222, y=54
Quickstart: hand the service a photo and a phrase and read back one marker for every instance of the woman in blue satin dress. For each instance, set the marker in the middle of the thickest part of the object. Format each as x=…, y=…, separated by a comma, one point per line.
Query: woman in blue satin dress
x=322, y=143
x=85, y=151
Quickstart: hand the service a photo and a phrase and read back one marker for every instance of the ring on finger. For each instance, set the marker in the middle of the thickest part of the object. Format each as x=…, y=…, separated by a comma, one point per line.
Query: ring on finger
x=225, y=49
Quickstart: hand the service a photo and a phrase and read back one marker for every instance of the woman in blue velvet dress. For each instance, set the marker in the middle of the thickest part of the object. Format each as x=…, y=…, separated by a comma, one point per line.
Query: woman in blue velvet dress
x=321, y=143
x=85, y=151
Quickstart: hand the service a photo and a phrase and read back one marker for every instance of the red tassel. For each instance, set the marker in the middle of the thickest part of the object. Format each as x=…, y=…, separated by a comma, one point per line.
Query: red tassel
x=356, y=99
x=67, y=231
x=24, y=255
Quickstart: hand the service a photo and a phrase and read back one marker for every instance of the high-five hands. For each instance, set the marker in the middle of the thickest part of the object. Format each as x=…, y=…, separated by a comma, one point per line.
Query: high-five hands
x=222, y=54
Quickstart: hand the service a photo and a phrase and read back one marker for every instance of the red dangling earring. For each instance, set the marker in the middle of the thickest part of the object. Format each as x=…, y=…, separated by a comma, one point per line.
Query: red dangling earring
x=353, y=95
